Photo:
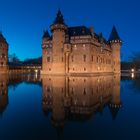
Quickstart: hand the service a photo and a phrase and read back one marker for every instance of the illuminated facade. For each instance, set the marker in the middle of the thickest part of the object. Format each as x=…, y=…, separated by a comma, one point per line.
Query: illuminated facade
x=72, y=50
x=3, y=54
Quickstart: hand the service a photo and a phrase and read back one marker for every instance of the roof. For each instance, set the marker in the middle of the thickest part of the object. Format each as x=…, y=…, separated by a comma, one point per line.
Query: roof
x=2, y=39
x=46, y=34
x=59, y=18
x=79, y=31
x=114, y=35
x=114, y=111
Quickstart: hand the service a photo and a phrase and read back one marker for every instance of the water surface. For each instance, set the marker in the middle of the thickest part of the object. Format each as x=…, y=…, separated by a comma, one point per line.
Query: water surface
x=46, y=108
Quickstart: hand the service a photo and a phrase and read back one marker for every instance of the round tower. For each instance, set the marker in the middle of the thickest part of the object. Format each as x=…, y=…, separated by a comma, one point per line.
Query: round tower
x=115, y=43
x=3, y=54
x=58, y=29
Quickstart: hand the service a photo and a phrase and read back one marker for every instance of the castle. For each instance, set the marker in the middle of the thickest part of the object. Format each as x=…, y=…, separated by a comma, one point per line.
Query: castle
x=3, y=54
x=73, y=50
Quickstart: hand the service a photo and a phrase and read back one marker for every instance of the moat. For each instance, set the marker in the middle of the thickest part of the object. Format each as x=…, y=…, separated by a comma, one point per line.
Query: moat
x=34, y=107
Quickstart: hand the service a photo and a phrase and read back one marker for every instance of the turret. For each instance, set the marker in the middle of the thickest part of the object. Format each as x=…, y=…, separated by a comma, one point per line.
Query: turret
x=46, y=38
x=58, y=29
x=115, y=43
x=3, y=54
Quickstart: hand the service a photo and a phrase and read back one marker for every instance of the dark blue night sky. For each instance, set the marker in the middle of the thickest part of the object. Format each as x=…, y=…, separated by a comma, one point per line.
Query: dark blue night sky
x=22, y=21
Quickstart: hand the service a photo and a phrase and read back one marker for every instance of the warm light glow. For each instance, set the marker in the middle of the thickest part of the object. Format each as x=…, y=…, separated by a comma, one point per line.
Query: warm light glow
x=36, y=71
x=132, y=75
x=132, y=70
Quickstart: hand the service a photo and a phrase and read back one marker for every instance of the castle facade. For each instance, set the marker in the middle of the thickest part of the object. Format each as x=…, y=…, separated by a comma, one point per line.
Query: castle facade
x=73, y=50
x=3, y=54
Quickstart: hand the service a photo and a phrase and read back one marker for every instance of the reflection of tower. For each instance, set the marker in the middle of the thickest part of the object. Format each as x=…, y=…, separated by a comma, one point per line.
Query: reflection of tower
x=3, y=92
x=47, y=99
x=3, y=54
x=53, y=98
x=115, y=104
x=58, y=115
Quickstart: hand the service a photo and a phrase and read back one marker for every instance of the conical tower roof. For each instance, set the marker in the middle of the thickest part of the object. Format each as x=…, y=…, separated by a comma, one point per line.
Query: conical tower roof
x=46, y=34
x=114, y=35
x=2, y=38
x=59, y=18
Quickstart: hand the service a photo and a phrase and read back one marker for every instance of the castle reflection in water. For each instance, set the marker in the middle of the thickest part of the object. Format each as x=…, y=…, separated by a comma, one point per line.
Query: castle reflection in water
x=69, y=98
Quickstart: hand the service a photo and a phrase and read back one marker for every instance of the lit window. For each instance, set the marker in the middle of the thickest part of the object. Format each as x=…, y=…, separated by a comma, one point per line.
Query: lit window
x=84, y=45
x=48, y=59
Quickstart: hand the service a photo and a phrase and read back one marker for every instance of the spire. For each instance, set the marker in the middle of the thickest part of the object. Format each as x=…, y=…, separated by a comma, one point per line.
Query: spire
x=2, y=38
x=114, y=35
x=59, y=18
x=46, y=34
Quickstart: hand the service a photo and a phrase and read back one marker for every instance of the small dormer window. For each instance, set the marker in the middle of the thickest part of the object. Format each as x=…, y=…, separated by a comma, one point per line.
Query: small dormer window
x=83, y=31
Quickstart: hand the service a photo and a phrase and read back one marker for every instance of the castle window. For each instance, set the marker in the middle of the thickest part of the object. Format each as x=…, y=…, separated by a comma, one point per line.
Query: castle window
x=92, y=58
x=3, y=55
x=48, y=89
x=72, y=58
x=75, y=46
x=97, y=59
x=83, y=31
x=84, y=69
x=72, y=91
x=84, y=91
x=48, y=59
x=62, y=90
x=2, y=63
x=49, y=69
x=84, y=56
x=62, y=59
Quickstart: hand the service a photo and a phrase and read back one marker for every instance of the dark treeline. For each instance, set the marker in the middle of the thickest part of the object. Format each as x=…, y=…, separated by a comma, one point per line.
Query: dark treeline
x=134, y=62
x=15, y=61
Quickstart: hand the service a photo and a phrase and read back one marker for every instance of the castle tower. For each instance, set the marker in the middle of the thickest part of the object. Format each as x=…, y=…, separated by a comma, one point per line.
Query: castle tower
x=115, y=43
x=46, y=51
x=58, y=39
x=3, y=54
